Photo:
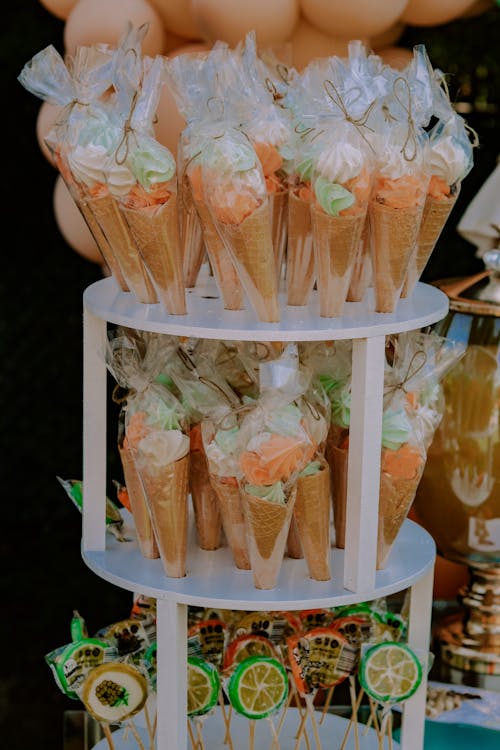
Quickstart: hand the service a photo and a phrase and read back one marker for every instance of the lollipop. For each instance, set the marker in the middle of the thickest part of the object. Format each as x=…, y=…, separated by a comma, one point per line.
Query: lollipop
x=244, y=646
x=72, y=663
x=203, y=685
x=207, y=639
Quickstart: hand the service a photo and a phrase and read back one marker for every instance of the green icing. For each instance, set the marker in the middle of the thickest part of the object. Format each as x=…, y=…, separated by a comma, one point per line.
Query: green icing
x=164, y=417
x=313, y=468
x=396, y=429
x=285, y=421
x=151, y=163
x=304, y=169
x=329, y=383
x=341, y=407
x=273, y=493
x=333, y=198
x=226, y=439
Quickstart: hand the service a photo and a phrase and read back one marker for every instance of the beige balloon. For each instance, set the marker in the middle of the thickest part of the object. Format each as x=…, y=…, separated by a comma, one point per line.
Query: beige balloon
x=59, y=8
x=48, y=114
x=396, y=57
x=105, y=21
x=178, y=17
x=230, y=21
x=308, y=43
x=72, y=225
x=434, y=12
x=389, y=37
x=352, y=19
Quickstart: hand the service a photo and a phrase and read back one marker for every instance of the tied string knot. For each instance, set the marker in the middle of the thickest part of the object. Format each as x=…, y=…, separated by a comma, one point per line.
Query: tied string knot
x=416, y=363
x=360, y=123
x=409, y=149
x=122, y=150
x=273, y=90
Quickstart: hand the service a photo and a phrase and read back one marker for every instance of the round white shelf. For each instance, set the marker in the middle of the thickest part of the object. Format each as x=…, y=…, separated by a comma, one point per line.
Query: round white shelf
x=213, y=580
x=207, y=318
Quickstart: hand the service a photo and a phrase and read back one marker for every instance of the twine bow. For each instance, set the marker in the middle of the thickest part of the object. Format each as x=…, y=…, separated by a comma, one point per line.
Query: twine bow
x=416, y=363
x=411, y=136
x=358, y=122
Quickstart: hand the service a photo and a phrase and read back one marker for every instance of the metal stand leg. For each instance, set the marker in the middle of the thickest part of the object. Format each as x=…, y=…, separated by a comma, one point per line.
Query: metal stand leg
x=171, y=661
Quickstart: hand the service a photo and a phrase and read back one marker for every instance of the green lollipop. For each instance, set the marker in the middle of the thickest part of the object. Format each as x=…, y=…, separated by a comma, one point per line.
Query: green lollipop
x=258, y=687
x=203, y=686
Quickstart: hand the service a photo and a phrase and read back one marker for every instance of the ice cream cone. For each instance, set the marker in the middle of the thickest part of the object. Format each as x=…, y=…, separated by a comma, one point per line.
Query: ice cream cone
x=155, y=230
x=102, y=243
x=293, y=544
x=193, y=244
x=396, y=497
x=278, y=203
x=224, y=270
x=205, y=504
x=337, y=459
x=251, y=246
x=434, y=217
x=233, y=521
x=362, y=271
x=393, y=233
x=267, y=526
x=312, y=515
x=167, y=496
x=300, y=271
x=108, y=215
x=138, y=503
x=336, y=240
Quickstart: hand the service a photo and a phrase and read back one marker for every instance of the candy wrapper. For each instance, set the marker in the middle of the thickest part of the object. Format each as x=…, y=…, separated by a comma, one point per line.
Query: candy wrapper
x=206, y=397
x=142, y=177
x=194, y=81
x=81, y=93
x=157, y=435
x=276, y=441
x=451, y=159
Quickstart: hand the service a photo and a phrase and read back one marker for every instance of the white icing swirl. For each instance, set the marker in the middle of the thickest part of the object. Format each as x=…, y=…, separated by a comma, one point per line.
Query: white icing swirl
x=220, y=463
x=88, y=164
x=160, y=448
x=448, y=160
x=340, y=162
x=119, y=178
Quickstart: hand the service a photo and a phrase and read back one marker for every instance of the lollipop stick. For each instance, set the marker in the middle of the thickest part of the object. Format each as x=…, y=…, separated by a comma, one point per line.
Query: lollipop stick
x=150, y=728
x=191, y=735
x=227, y=737
x=389, y=732
x=275, y=742
x=199, y=735
x=107, y=734
x=355, y=707
x=283, y=713
x=353, y=718
x=251, y=734
x=310, y=711
x=136, y=734
x=326, y=704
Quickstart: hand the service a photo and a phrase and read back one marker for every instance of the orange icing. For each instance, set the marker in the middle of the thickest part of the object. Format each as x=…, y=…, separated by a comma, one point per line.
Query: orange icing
x=195, y=178
x=99, y=190
x=438, y=188
x=139, y=197
x=403, y=192
x=269, y=157
x=412, y=399
x=137, y=428
x=402, y=463
x=273, y=184
x=278, y=458
x=305, y=193
x=360, y=187
x=122, y=492
x=230, y=206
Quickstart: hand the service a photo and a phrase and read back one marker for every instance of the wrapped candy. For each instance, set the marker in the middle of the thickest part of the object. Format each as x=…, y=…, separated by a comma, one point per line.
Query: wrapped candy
x=157, y=435
x=276, y=441
x=194, y=81
x=142, y=176
x=451, y=159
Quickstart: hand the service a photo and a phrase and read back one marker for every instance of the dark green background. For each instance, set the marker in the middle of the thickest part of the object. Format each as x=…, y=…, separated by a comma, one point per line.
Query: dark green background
x=42, y=281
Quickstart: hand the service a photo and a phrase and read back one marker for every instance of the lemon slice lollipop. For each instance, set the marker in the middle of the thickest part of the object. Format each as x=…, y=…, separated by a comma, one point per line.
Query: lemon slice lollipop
x=203, y=686
x=258, y=687
x=114, y=692
x=390, y=672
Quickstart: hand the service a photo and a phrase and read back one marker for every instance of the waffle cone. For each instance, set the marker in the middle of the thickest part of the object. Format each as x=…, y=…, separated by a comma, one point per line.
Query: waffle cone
x=434, y=217
x=278, y=203
x=300, y=271
x=139, y=505
x=110, y=219
x=396, y=497
x=267, y=531
x=362, y=271
x=193, y=244
x=293, y=543
x=233, y=521
x=336, y=241
x=155, y=230
x=205, y=505
x=251, y=246
x=167, y=495
x=337, y=459
x=312, y=515
x=222, y=264
x=103, y=245
x=394, y=234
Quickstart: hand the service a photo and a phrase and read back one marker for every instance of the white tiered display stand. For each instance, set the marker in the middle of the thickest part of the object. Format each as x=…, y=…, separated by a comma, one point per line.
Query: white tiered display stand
x=212, y=579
